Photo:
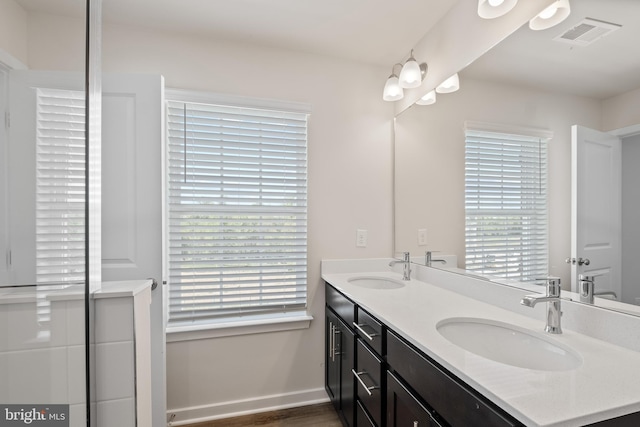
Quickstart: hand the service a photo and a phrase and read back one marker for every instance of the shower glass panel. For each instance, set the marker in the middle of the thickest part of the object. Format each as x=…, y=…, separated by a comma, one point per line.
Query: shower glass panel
x=43, y=225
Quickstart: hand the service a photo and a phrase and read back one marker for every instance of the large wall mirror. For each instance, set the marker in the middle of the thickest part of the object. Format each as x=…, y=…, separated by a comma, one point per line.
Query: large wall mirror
x=42, y=186
x=530, y=81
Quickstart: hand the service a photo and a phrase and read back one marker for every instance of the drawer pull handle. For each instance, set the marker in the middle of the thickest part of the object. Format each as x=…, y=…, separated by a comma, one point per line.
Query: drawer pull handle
x=359, y=328
x=366, y=387
x=332, y=342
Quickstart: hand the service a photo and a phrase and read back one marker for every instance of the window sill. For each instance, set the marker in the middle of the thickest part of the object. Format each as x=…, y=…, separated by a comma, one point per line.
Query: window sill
x=261, y=325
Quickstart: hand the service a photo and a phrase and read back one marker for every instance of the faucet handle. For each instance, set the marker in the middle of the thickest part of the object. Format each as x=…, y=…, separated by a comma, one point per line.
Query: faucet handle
x=553, y=286
x=406, y=256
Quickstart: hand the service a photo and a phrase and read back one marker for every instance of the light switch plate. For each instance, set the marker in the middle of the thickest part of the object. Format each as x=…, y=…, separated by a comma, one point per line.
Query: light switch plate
x=422, y=237
x=361, y=238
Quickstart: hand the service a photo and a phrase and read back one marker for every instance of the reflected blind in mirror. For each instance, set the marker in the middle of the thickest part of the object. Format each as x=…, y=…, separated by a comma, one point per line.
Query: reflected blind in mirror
x=60, y=186
x=237, y=212
x=506, y=218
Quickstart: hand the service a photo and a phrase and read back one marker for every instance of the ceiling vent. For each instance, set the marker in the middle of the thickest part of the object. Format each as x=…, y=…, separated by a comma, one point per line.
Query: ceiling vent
x=587, y=31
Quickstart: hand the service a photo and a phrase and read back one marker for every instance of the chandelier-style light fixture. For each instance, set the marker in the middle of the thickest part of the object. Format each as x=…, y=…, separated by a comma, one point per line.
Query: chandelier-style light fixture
x=412, y=73
x=489, y=9
x=552, y=15
x=392, y=89
x=452, y=84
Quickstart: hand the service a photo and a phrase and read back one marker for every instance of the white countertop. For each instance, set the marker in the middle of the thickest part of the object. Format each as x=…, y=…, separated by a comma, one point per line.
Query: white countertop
x=67, y=292
x=606, y=385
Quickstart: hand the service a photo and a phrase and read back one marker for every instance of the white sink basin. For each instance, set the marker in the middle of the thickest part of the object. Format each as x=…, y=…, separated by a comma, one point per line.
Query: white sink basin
x=508, y=344
x=376, y=282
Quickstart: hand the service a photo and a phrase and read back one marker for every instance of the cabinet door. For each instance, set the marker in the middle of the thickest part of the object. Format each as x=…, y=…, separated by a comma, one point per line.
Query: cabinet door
x=403, y=409
x=339, y=361
x=332, y=359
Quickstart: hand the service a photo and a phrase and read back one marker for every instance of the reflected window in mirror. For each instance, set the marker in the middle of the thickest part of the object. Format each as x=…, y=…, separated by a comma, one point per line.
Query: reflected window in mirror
x=60, y=189
x=506, y=218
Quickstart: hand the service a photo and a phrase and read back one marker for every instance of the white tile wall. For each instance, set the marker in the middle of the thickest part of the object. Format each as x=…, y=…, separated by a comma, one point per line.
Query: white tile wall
x=115, y=371
x=119, y=327
x=45, y=362
x=119, y=413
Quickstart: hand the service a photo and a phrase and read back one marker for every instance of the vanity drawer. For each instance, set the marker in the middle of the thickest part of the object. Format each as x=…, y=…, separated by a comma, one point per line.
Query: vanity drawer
x=343, y=306
x=404, y=409
x=363, y=419
x=369, y=374
x=453, y=400
x=370, y=330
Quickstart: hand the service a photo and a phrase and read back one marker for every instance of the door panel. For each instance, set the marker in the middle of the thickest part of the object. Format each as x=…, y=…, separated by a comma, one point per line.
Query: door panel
x=596, y=207
x=132, y=188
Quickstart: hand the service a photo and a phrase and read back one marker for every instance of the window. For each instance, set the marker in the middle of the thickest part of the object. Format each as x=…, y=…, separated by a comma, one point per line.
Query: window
x=236, y=210
x=506, y=203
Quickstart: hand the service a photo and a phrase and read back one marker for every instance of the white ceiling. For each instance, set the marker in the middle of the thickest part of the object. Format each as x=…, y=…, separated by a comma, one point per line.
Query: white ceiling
x=382, y=32
x=608, y=67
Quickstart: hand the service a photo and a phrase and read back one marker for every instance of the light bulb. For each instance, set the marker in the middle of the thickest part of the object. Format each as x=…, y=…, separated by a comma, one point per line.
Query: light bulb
x=495, y=3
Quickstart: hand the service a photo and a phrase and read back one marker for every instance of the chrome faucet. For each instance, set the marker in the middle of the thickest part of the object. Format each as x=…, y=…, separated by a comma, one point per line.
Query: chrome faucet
x=428, y=259
x=552, y=298
x=406, y=260
x=586, y=287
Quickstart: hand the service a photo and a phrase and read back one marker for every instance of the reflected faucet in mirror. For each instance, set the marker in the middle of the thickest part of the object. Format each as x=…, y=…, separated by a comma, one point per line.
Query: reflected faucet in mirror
x=586, y=286
x=406, y=260
x=552, y=298
x=428, y=259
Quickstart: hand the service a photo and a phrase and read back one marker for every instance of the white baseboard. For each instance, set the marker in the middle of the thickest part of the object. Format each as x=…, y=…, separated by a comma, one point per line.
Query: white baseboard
x=216, y=411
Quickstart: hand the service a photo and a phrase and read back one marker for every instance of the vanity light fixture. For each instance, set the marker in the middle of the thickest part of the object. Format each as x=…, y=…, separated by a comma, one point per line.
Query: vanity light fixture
x=412, y=73
x=452, y=84
x=392, y=90
x=489, y=9
x=428, y=99
x=552, y=15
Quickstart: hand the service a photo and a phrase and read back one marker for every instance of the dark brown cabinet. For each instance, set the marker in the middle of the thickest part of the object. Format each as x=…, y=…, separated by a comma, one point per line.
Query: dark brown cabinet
x=453, y=401
x=404, y=409
x=340, y=357
x=369, y=374
x=376, y=378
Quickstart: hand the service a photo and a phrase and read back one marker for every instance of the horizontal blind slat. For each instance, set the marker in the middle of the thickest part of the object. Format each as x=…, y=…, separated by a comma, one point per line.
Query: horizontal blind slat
x=60, y=186
x=506, y=230
x=236, y=204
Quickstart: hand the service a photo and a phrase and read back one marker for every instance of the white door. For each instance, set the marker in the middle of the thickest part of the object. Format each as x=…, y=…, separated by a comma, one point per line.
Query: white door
x=20, y=172
x=596, y=208
x=132, y=176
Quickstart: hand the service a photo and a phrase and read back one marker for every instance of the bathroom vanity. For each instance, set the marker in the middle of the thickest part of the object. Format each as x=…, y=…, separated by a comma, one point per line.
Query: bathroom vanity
x=449, y=350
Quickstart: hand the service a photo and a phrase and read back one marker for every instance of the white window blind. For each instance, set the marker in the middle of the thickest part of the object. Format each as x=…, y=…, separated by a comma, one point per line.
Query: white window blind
x=506, y=205
x=60, y=186
x=237, y=211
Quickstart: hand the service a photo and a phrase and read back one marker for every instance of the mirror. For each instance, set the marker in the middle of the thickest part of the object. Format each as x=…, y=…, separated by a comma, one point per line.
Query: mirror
x=529, y=80
x=42, y=187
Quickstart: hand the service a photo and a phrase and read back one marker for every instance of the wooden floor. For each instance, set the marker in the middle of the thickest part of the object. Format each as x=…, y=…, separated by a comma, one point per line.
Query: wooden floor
x=322, y=415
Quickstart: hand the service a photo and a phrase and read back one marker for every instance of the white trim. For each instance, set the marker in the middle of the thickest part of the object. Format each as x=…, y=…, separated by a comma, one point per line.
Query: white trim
x=508, y=129
x=10, y=61
x=235, y=408
x=236, y=101
x=229, y=328
x=626, y=131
